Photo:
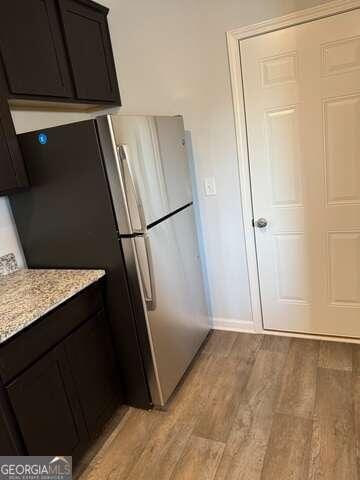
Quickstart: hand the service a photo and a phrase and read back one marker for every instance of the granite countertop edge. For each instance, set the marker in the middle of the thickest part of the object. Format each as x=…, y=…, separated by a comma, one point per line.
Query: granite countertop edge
x=8, y=332
x=64, y=299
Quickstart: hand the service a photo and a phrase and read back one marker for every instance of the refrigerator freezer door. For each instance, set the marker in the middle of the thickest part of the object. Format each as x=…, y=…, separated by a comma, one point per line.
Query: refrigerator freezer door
x=178, y=321
x=131, y=191
x=126, y=198
x=171, y=138
x=158, y=160
x=113, y=163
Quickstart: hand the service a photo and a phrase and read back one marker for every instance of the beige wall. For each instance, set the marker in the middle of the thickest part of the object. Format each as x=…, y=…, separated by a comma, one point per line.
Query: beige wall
x=171, y=58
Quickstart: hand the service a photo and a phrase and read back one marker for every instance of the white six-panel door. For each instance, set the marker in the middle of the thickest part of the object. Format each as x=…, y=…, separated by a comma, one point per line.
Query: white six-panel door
x=302, y=100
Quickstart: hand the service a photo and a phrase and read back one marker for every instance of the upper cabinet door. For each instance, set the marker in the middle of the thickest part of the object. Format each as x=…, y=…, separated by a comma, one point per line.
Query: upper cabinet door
x=89, y=47
x=8, y=179
x=12, y=170
x=32, y=50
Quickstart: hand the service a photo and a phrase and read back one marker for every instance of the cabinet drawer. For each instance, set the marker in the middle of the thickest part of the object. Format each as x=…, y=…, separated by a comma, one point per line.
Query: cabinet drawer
x=30, y=344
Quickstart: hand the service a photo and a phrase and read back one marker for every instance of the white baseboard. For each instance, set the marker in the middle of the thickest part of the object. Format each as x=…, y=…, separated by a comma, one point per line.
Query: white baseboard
x=248, y=327
x=232, y=325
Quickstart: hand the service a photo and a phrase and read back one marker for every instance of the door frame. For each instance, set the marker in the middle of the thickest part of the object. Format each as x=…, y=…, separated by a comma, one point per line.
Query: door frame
x=234, y=37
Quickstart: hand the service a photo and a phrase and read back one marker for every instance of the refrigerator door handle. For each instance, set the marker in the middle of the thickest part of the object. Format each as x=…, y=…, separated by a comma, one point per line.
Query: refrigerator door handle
x=145, y=268
x=151, y=303
x=123, y=154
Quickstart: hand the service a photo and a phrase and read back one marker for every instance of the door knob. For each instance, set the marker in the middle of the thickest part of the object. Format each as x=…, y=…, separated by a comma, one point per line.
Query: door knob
x=261, y=223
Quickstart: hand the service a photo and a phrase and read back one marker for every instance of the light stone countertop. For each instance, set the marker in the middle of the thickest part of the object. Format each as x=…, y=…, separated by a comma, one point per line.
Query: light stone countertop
x=26, y=295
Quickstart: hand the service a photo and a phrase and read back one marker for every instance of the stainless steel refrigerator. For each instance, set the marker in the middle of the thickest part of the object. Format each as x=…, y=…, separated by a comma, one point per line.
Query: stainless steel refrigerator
x=115, y=193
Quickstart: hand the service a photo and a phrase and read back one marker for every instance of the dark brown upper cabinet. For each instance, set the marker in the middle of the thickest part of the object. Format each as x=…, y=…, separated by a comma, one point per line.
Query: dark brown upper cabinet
x=12, y=171
x=32, y=49
x=56, y=51
x=52, y=52
x=89, y=48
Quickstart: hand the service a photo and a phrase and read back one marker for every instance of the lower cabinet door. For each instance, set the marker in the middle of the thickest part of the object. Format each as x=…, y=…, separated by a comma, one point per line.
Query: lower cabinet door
x=90, y=354
x=47, y=410
x=6, y=444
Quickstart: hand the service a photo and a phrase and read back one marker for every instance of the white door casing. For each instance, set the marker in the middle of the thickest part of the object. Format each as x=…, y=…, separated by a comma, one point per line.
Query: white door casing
x=303, y=116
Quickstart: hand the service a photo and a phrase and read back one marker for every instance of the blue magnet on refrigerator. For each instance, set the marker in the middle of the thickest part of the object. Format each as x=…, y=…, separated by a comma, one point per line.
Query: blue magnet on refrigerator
x=43, y=139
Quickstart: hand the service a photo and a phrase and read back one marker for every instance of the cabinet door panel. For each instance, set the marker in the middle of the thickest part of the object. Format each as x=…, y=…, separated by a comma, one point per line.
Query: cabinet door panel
x=90, y=355
x=45, y=408
x=10, y=439
x=6, y=444
x=89, y=48
x=8, y=178
x=32, y=49
x=12, y=170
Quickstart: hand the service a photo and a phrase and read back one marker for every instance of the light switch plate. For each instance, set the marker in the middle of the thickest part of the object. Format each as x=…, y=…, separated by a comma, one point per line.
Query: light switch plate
x=210, y=186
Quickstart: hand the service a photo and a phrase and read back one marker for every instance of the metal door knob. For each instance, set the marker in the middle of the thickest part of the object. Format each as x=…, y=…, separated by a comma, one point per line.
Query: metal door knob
x=261, y=223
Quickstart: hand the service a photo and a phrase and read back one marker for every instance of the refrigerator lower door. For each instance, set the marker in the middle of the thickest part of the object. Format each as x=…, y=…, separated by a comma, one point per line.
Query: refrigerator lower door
x=177, y=316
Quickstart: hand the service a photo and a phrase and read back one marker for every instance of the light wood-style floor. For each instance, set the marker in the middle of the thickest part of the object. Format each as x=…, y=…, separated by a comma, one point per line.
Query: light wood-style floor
x=252, y=407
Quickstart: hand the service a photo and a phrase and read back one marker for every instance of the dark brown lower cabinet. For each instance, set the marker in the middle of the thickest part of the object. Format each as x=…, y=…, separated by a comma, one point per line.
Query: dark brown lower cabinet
x=7, y=446
x=46, y=408
x=90, y=354
x=62, y=401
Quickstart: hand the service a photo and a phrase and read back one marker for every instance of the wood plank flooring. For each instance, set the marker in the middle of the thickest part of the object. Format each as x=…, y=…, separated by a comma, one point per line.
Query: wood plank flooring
x=251, y=407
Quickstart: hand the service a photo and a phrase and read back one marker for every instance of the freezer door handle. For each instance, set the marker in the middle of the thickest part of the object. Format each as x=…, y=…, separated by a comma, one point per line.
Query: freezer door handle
x=124, y=155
